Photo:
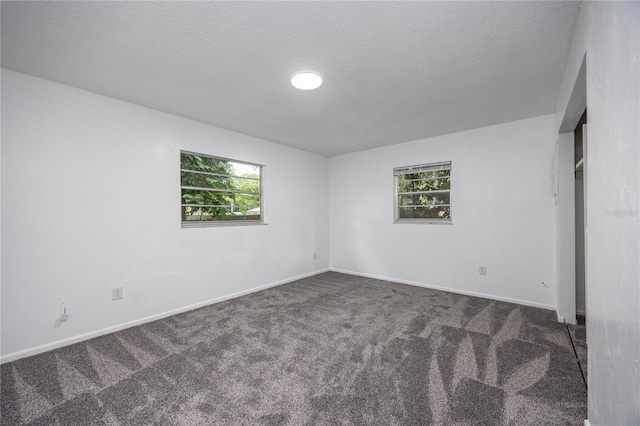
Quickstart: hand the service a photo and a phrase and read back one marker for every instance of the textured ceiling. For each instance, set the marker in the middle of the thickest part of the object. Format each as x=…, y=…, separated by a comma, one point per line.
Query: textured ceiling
x=394, y=71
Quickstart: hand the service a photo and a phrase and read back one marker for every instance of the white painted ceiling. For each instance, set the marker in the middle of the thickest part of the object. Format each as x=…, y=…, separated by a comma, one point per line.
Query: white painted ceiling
x=394, y=71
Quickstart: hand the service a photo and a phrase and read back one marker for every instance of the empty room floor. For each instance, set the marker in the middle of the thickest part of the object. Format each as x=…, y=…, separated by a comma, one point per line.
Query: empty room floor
x=329, y=349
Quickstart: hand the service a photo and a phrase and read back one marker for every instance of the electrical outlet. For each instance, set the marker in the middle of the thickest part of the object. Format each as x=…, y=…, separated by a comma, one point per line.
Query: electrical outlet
x=117, y=293
x=63, y=313
x=482, y=270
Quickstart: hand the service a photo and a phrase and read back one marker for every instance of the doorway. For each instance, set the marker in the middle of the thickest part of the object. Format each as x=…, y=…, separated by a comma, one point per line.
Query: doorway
x=579, y=161
x=578, y=332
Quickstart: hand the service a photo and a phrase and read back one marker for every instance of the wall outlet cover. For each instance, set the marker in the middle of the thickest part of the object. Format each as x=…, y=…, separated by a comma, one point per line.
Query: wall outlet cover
x=117, y=293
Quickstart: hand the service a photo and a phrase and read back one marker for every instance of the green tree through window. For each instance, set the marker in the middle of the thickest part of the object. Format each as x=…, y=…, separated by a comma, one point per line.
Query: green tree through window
x=213, y=190
x=423, y=193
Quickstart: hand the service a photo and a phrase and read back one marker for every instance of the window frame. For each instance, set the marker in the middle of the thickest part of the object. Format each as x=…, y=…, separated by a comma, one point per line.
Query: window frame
x=216, y=223
x=397, y=171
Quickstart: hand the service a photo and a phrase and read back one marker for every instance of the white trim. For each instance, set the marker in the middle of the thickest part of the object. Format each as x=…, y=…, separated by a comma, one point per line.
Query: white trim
x=586, y=422
x=217, y=223
x=422, y=221
x=581, y=312
x=448, y=289
x=86, y=336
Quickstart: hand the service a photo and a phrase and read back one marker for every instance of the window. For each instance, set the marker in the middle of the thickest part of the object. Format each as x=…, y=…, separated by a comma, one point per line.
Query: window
x=219, y=191
x=423, y=193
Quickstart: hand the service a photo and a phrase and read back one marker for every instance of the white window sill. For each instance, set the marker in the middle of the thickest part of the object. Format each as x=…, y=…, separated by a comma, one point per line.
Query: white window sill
x=219, y=224
x=422, y=222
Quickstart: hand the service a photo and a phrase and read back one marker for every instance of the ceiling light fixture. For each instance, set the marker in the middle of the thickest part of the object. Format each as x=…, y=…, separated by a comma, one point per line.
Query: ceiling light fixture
x=306, y=80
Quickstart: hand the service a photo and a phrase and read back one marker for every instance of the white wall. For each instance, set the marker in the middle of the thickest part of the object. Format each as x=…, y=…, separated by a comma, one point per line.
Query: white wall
x=503, y=214
x=90, y=201
x=565, y=229
x=609, y=34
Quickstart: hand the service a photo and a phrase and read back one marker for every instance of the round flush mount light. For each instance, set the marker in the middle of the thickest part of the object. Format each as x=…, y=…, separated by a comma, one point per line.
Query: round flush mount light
x=306, y=80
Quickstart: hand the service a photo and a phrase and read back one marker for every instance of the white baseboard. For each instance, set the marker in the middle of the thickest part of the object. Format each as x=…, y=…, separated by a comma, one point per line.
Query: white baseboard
x=571, y=319
x=581, y=312
x=586, y=422
x=86, y=336
x=448, y=289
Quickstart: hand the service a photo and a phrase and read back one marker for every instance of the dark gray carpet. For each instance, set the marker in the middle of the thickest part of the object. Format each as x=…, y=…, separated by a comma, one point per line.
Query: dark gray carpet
x=578, y=335
x=330, y=349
